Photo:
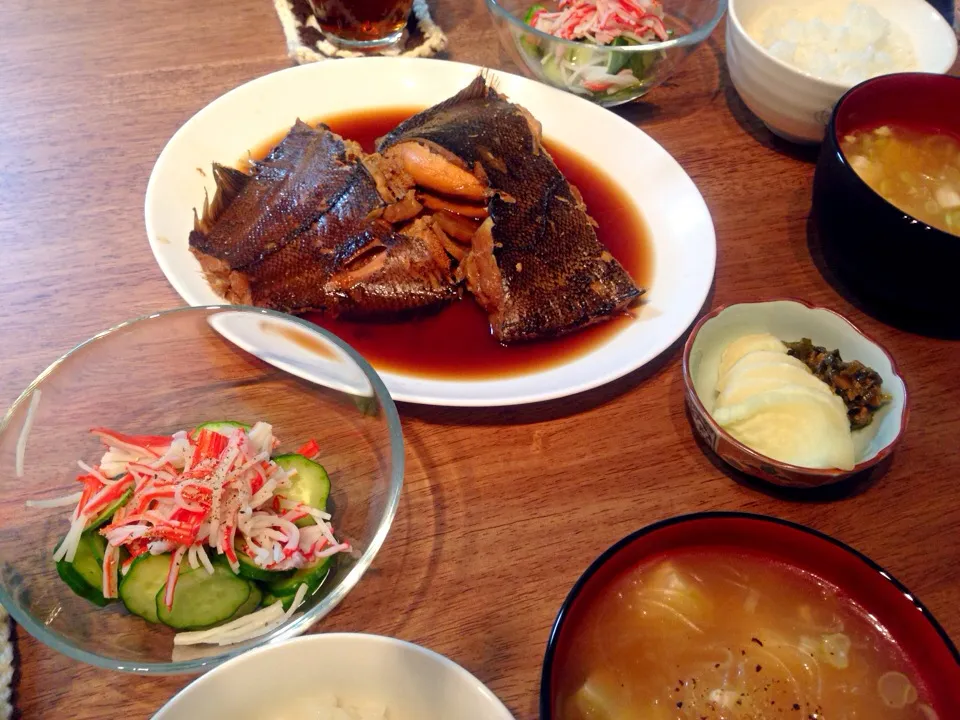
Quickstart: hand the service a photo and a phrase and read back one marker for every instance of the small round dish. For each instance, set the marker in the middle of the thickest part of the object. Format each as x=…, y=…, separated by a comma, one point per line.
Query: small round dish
x=796, y=105
x=298, y=679
x=171, y=371
x=888, y=258
x=788, y=320
x=889, y=603
x=556, y=61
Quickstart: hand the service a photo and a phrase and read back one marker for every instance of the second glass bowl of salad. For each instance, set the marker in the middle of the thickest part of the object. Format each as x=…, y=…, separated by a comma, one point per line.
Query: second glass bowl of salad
x=608, y=51
x=212, y=466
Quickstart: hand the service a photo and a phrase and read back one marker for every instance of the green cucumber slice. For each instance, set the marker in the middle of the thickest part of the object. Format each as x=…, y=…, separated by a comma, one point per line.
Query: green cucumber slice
x=147, y=575
x=252, y=603
x=312, y=576
x=85, y=574
x=531, y=11
x=617, y=61
x=224, y=427
x=551, y=71
x=110, y=509
x=250, y=570
x=202, y=600
x=310, y=485
x=269, y=598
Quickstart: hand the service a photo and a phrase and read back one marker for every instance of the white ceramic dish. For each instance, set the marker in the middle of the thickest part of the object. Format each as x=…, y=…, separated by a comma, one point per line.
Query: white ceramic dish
x=789, y=320
x=684, y=243
x=288, y=680
x=796, y=106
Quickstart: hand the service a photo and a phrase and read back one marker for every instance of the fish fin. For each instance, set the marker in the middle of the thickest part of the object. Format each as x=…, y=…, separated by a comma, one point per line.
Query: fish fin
x=230, y=182
x=479, y=88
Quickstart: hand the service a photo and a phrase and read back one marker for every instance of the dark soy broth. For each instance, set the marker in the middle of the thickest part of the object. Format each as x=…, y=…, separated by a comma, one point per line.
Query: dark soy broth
x=455, y=343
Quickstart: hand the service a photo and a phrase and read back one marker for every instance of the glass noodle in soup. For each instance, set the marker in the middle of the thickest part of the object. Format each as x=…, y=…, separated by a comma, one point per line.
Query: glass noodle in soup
x=917, y=171
x=704, y=635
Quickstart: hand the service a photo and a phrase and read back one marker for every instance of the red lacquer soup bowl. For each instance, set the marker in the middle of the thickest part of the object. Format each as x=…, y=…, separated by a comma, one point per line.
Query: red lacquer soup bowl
x=888, y=604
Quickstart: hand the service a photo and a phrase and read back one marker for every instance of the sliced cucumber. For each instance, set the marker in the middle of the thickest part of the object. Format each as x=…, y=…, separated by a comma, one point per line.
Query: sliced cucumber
x=202, y=600
x=147, y=575
x=250, y=570
x=85, y=574
x=531, y=11
x=252, y=603
x=618, y=61
x=581, y=55
x=110, y=509
x=312, y=576
x=310, y=485
x=552, y=72
x=224, y=427
x=269, y=599
x=80, y=586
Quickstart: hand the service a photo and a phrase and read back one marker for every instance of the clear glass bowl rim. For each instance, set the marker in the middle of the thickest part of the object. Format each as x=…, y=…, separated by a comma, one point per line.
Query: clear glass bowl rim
x=291, y=629
x=690, y=39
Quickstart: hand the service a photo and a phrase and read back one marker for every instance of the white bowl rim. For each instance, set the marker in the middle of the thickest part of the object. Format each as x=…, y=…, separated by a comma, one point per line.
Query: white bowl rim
x=826, y=473
x=734, y=20
x=365, y=638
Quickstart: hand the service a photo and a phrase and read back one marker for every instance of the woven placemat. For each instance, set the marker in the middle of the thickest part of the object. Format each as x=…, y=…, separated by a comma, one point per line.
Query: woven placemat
x=306, y=44
x=6, y=666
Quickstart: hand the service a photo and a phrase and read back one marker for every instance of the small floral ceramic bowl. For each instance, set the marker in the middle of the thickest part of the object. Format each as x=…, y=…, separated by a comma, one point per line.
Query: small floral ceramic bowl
x=789, y=320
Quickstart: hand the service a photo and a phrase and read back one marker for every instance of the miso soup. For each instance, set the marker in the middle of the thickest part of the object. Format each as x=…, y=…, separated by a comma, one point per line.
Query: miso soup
x=918, y=172
x=715, y=636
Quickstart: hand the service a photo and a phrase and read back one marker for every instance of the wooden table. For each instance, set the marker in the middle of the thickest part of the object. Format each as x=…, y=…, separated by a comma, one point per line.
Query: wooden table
x=502, y=509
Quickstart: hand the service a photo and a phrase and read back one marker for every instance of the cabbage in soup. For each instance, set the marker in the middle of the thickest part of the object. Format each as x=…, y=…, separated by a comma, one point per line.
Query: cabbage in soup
x=710, y=636
x=918, y=172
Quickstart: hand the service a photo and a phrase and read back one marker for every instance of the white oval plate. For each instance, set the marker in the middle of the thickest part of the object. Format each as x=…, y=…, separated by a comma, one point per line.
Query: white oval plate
x=684, y=243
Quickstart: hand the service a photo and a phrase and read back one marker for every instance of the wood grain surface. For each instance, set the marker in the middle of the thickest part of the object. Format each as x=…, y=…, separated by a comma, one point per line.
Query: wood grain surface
x=502, y=509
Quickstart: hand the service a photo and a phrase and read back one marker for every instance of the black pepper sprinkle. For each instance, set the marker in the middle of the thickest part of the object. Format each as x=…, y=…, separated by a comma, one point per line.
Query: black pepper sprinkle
x=739, y=702
x=796, y=706
x=743, y=652
x=759, y=668
x=679, y=705
x=717, y=665
x=757, y=641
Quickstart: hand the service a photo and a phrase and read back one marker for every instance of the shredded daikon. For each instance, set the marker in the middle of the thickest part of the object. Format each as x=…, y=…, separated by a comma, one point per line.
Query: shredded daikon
x=25, y=431
x=245, y=628
x=64, y=501
x=68, y=548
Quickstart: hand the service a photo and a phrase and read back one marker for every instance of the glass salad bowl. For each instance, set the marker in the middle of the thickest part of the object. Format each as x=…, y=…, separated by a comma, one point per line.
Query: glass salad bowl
x=613, y=73
x=173, y=371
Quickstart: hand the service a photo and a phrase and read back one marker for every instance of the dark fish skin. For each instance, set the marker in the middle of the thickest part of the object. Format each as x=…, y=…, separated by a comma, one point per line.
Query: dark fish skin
x=286, y=190
x=348, y=265
x=410, y=273
x=550, y=273
x=340, y=259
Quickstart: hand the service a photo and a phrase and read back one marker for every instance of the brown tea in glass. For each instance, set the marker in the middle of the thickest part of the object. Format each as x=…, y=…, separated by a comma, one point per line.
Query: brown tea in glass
x=362, y=23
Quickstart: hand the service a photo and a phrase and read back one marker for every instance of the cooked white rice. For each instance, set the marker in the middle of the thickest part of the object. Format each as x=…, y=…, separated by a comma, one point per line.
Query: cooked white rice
x=838, y=42
x=328, y=707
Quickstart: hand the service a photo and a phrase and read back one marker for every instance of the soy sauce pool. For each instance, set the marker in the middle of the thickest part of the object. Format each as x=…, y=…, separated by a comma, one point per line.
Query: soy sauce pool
x=455, y=343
